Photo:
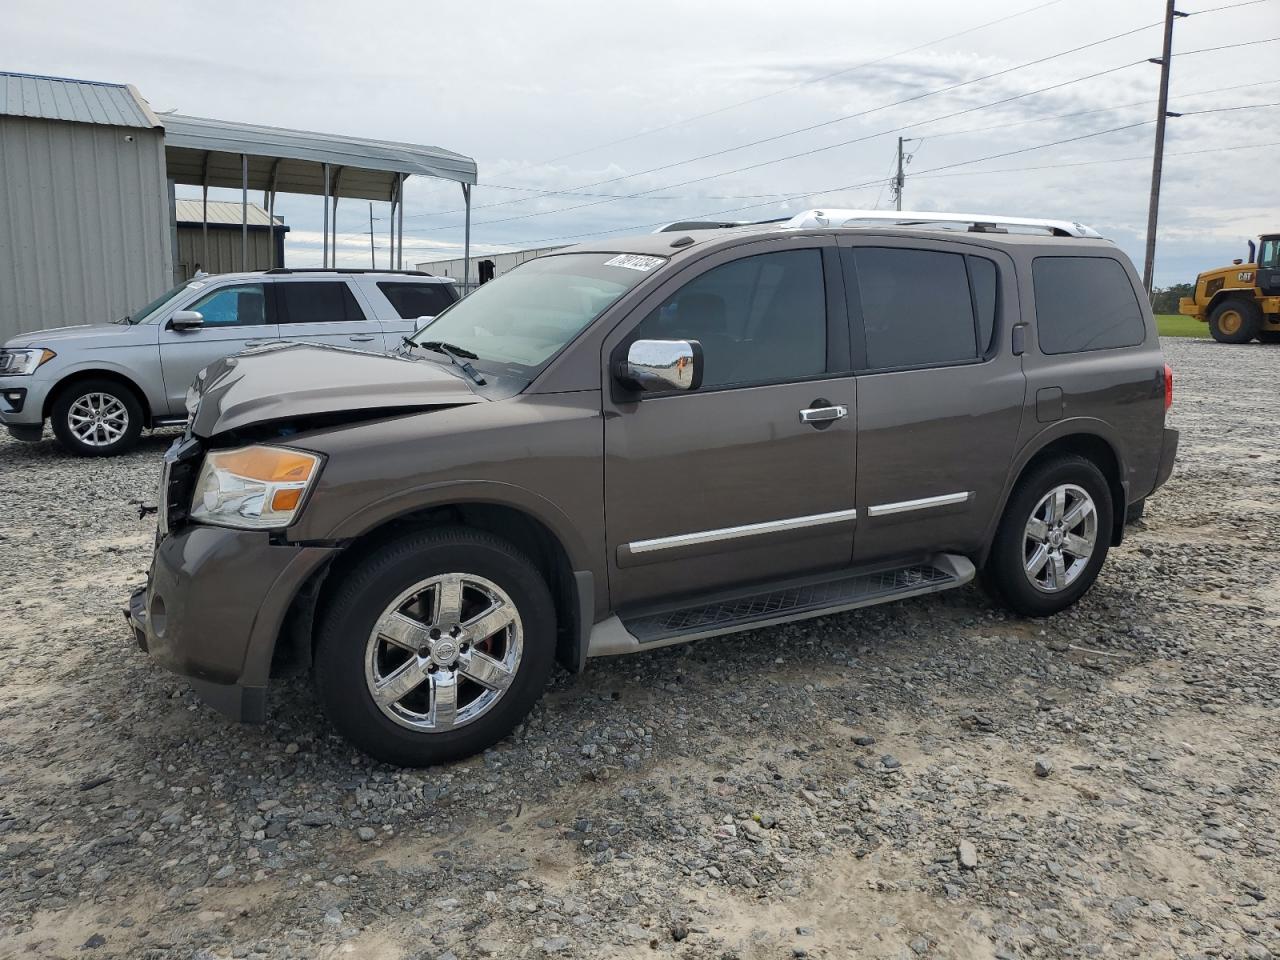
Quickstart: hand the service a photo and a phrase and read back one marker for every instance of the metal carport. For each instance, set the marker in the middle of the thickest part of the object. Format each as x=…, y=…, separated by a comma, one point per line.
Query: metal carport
x=219, y=153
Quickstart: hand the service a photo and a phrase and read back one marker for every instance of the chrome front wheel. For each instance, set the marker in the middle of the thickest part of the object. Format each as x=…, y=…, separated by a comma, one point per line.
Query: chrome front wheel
x=1060, y=538
x=444, y=652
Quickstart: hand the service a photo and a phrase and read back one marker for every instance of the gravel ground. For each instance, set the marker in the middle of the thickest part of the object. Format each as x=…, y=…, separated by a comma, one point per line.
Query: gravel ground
x=932, y=778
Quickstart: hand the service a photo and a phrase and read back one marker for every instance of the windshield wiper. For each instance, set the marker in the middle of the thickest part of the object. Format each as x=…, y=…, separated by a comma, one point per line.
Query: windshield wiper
x=127, y=320
x=456, y=355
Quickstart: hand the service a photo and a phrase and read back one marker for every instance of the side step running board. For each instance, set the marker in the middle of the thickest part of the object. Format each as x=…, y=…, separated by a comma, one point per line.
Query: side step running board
x=797, y=600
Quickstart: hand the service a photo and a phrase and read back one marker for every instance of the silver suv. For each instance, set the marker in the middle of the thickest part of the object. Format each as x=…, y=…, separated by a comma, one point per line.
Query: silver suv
x=101, y=384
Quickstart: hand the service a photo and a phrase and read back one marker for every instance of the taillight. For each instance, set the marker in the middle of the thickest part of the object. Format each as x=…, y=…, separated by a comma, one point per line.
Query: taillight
x=1168, y=386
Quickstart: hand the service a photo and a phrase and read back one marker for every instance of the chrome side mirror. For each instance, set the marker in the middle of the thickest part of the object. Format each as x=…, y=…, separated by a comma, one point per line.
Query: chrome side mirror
x=187, y=320
x=658, y=365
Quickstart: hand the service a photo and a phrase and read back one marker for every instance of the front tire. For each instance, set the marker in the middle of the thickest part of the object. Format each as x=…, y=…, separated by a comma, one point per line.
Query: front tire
x=435, y=647
x=1235, y=321
x=1053, y=538
x=97, y=418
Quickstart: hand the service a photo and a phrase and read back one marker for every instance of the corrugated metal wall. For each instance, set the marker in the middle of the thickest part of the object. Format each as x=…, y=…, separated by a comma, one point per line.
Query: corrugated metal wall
x=84, y=222
x=224, y=251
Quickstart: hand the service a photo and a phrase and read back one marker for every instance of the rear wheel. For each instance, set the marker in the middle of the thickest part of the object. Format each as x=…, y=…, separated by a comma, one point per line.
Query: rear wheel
x=1235, y=321
x=435, y=647
x=97, y=418
x=1053, y=537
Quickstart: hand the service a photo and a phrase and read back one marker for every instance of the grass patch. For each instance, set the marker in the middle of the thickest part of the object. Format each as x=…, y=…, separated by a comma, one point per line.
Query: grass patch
x=1176, y=325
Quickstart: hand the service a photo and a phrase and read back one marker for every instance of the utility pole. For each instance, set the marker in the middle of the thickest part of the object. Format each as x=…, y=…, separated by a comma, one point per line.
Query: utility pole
x=1157, y=162
x=373, y=256
x=900, y=178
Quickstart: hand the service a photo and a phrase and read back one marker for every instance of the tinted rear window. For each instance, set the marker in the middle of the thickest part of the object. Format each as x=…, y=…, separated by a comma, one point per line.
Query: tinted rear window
x=916, y=307
x=324, y=301
x=414, y=300
x=1085, y=303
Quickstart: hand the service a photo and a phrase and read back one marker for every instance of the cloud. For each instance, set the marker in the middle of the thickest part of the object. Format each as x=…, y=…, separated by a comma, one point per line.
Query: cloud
x=553, y=96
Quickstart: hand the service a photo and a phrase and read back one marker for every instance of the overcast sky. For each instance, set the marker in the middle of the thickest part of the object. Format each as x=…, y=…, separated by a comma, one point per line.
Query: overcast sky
x=541, y=93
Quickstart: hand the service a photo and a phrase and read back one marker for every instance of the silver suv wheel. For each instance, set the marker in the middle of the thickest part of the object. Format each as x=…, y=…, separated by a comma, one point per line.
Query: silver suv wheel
x=98, y=419
x=444, y=652
x=1059, y=538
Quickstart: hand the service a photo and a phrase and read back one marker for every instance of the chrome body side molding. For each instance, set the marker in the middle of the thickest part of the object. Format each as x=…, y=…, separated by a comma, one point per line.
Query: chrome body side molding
x=906, y=506
x=734, y=533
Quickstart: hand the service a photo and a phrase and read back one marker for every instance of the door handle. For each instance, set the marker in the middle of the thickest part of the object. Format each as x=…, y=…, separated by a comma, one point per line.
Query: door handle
x=360, y=339
x=823, y=414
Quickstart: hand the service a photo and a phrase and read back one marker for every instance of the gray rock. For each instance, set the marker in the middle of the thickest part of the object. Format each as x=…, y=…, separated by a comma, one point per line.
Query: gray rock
x=967, y=854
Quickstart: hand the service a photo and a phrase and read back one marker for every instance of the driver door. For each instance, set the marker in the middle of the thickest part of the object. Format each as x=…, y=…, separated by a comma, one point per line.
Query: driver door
x=236, y=317
x=728, y=484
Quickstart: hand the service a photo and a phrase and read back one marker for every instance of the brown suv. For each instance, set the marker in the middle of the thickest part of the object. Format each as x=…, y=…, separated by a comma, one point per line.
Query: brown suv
x=651, y=440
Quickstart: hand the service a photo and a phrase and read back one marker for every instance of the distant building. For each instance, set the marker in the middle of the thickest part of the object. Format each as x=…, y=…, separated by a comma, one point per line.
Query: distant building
x=222, y=254
x=89, y=223
x=498, y=264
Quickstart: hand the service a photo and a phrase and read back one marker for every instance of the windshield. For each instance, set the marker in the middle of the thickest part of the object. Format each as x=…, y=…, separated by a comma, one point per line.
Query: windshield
x=142, y=314
x=521, y=320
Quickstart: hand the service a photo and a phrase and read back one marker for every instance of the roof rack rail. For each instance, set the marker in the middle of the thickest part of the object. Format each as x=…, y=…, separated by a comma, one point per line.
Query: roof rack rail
x=277, y=270
x=977, y=222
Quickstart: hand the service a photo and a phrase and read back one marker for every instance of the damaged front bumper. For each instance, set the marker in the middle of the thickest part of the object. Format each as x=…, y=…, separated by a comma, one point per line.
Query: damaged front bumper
x=213, y=607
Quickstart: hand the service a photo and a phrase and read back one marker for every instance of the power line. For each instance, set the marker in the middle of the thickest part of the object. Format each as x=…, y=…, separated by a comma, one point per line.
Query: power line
x=813, y=150
x=1086, y=113
x=1089, y=163
x=826, y=123
x=872, y=183
x=1226, y=46
x=795, y=86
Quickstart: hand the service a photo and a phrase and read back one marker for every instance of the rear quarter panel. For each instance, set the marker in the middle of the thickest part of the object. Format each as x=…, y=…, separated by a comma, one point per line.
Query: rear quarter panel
x=1116, y=394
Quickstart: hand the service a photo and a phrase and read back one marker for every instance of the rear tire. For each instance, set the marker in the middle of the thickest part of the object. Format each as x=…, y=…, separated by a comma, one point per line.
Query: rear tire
x=96, y=418
x=1235, y=321
x=407, y=622
x=1269, y=336
x=1038, y=564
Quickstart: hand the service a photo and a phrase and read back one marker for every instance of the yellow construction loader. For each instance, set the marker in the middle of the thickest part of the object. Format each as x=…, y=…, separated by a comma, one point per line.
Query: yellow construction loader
x=1242, y=301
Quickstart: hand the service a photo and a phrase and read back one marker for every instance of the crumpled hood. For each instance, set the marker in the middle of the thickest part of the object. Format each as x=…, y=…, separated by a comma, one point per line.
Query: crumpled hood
x=86, y=335
x=284, y=380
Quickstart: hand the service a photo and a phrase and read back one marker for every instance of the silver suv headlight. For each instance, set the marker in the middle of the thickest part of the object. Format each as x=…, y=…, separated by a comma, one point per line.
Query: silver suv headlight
x=253, y=488
x=19, y=363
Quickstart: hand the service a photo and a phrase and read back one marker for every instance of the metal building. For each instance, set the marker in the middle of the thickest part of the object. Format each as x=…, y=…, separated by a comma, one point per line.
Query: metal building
x=497, y=265
x=88, y=228
x=84, y=203
x=214, y=244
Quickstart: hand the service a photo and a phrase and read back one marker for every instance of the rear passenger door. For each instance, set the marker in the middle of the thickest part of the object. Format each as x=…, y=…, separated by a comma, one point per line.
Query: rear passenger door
x=325, y=311
x=940, y=393
x=412, y=302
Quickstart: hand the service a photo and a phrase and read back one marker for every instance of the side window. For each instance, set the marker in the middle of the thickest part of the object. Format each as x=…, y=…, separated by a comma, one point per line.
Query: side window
x=1085, y=303
x=239, y=306
x=414, y=300
x=319, y=302
x=916, y=305
x=982, y=278
x=1270, y=255
x=759, y=319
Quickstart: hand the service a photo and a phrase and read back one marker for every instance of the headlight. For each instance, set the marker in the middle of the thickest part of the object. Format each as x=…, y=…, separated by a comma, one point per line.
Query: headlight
x=22, y=362
x=253, y=488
